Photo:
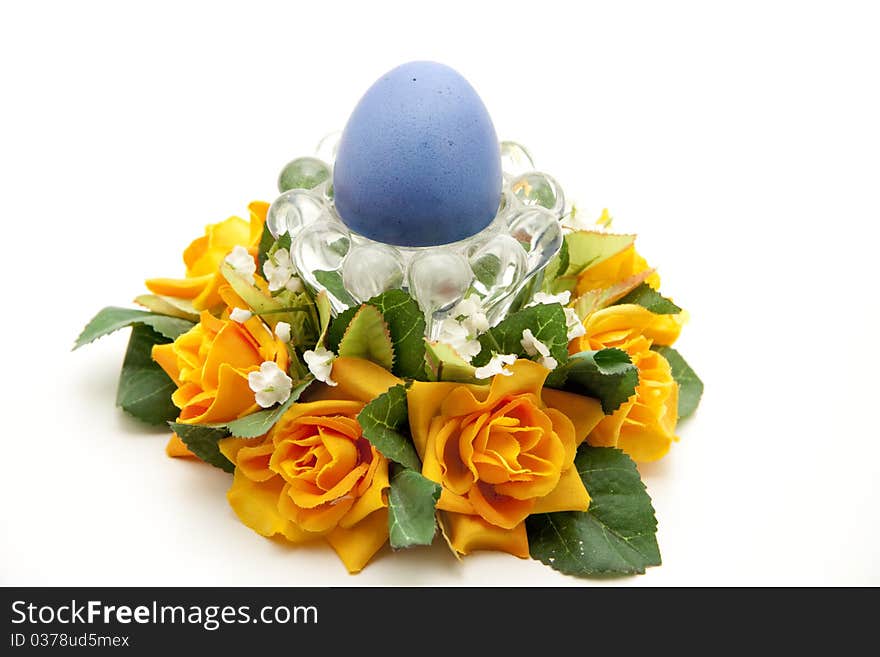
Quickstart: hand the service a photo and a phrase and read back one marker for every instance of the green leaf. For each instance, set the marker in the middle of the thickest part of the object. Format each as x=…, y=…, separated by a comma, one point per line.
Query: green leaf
x=406, y=322
x=412, y=501
x=593, y=300
x=202, y=441
x=338, y=327
x=646, y=296
x=258, y=301
x=112, y=319
x=266, y=243
x=616, y=536
x=367, y=337
x=257, y=424
x=547, y=323
x=586, y=249
x=557, y=267
x=171, y=306
x=325, y=315
x=690, y=388
x=607, y=375
x=332, y=281
x=445, y=364
x=144, y=389
x=385, y=423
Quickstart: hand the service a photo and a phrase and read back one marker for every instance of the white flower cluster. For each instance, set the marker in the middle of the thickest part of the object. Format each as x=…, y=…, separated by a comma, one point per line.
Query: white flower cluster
x=320, y=362
x=242, y=262
x=462, y=334
x=270, y=384
x=280, y=272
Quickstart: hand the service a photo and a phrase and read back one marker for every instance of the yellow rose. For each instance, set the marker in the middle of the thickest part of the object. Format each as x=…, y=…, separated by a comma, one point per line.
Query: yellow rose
x=205, y=255
x=314, y=476
x=643, y=426
x=500, y=452
x=210, y=364
x=613, y=270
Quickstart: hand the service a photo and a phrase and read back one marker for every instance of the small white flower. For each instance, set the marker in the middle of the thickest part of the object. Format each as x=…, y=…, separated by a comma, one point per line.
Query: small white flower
x=271, y=385
x=240, y=315
x=543, y=298
x=242, y=262
x=459, y=338
x=535, y=347
x=496, y=366
x=279, y=270
x=282, y=331
x=573, y=324
x=320, y=362
x=294, y=285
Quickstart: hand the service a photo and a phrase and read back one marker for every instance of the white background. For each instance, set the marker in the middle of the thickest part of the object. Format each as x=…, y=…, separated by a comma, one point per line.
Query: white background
x=739, y=139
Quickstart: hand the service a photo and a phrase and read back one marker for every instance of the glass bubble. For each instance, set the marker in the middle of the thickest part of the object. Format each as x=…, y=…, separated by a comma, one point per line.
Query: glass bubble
x=515, y=159
x=371, y=269
x=303, y=173
x=539, y=231
x=293, y=210
x=318, y=252
x=538, y=189
x=438, y=280
x=327, y=147
x=498, y=266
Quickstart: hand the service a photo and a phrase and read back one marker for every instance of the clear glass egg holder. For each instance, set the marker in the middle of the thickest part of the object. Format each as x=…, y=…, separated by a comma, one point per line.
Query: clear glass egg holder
x=494, y=265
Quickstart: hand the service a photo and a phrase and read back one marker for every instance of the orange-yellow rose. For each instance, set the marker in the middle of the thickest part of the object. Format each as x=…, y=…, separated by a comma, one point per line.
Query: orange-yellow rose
x=210, y=364
x=500, y=452
x=613, y=270
x=643, y=426
x=205, y=255
x=314, y=476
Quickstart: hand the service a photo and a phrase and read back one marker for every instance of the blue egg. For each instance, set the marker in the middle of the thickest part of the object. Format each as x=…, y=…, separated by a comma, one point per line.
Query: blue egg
x=419, y=162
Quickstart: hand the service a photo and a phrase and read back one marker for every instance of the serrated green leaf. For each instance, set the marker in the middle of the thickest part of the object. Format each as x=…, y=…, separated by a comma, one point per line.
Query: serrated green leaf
x=594, y=300
x=385, y=423
x=338, y=327
x=547, y=323
x=557, y=267
x=259, y=423
x=587, y=249
x=445, y=364
x=690, y=387
x=607, y=375
x=202, y=441
x=647, y=297
x=616, y=536
x=113, y=318
x=171, y=306
x=267, y=241
x=367, y=337
x=406, y=322
x=325, y=316
x=412, y=501
x=144, y=389
x=332, y=282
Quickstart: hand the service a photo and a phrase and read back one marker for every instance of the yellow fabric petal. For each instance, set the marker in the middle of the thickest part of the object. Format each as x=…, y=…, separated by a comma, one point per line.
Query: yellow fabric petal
x=570, y=494
x=449, y=501
x=356, y=545
x=177, y=449
x=234, y=399
x=256, y=505
x=372, y=499
x=165, y=357
x=470, y=533
x=665, y=329
x=258, y=211
x=181, y=288
x=230, y=447
x=424, y=400
x=584, y=412
x=360, y=379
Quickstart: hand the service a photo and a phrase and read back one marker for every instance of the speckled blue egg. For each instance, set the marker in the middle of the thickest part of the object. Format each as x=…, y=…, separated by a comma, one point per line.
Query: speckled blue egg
x=418, y=162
